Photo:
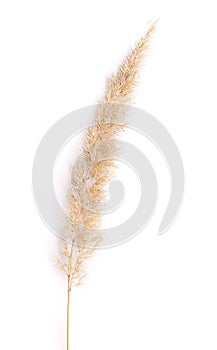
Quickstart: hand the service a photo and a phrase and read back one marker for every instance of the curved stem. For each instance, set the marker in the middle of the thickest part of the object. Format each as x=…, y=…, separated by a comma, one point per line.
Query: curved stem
x=68, y=313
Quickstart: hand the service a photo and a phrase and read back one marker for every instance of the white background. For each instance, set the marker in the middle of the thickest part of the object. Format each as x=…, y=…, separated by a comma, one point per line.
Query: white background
x=155, y=292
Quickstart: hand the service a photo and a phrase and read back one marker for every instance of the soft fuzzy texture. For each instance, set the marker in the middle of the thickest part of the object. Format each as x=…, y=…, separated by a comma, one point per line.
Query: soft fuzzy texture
x=95, y=166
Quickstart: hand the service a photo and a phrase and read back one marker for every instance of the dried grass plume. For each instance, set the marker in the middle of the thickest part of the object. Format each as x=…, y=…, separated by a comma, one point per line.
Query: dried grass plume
x=95, y=168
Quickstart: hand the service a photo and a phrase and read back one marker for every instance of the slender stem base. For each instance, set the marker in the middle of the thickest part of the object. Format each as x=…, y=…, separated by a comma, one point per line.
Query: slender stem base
x=68, y=313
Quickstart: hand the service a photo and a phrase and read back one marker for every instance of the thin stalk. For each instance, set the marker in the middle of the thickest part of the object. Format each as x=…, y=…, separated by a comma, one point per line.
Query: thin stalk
x=68, y=313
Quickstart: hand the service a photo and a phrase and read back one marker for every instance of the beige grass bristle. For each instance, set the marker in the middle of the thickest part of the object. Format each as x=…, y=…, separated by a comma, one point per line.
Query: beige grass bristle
x=95, y=167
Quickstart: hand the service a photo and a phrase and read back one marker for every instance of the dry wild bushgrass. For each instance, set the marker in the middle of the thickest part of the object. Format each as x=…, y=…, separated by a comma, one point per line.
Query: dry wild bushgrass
x=95, y=168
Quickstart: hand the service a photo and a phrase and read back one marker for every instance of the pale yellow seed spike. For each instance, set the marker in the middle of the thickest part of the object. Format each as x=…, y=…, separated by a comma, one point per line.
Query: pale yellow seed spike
x=87, y=185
